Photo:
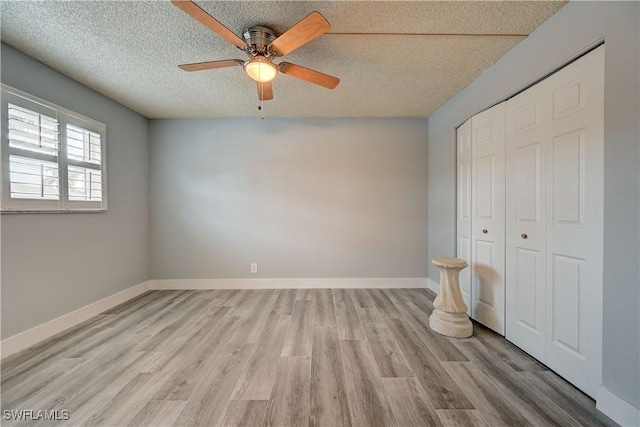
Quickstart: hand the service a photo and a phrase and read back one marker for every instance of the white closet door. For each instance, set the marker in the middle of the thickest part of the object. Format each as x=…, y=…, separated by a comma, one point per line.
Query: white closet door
x=488, y=227
x=463, y=247
x=525, y=220
x=575, y=221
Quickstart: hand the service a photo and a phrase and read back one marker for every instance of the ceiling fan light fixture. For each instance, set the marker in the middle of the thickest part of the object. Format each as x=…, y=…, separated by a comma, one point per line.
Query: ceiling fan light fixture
x=260, y=69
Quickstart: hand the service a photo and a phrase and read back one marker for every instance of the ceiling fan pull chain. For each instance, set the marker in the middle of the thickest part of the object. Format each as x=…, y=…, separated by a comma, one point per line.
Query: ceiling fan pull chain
x=262, y=94
x=261, y=84
x=260, y=107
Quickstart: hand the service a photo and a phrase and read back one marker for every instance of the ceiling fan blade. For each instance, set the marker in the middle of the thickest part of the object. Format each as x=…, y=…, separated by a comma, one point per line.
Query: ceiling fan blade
x=309, y=75
x=211, y=65
x=310, y=27
x=265, y=91
x=212, y=23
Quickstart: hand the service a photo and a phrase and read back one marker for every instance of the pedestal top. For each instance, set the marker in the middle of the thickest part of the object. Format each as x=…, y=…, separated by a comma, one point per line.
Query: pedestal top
x=447, y=262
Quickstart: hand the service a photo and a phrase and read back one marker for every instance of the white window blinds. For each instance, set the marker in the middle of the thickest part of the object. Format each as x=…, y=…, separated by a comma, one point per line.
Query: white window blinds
x=33, y=159
x=52, y=159
x=84, y=155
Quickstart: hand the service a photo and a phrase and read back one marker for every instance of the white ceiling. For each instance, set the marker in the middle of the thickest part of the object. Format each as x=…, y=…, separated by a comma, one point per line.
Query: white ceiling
x=394, y=59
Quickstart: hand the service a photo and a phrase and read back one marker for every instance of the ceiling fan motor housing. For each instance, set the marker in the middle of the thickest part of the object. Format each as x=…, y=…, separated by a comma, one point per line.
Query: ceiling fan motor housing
x=259, y=39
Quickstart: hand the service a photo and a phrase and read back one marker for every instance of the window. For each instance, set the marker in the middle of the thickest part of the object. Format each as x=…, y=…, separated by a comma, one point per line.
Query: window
x=53, y=160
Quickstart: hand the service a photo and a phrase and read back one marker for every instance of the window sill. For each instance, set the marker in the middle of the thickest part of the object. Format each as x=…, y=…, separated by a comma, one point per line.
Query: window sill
x=53, y=211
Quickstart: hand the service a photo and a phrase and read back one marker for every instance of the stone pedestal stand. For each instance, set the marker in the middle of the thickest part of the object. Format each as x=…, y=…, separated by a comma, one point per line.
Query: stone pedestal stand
x=449, y=317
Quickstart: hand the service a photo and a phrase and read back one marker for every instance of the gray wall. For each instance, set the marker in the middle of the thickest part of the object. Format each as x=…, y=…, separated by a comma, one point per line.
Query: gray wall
x=53, y=264
x=574, y=27
x=303, y=198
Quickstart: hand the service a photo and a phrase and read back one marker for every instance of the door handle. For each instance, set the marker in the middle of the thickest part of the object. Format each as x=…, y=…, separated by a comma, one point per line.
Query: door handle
x=485, y=231
x=524, y=236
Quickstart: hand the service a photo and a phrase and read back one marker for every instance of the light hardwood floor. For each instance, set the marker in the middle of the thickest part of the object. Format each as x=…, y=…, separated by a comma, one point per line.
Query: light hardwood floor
x=361, y=357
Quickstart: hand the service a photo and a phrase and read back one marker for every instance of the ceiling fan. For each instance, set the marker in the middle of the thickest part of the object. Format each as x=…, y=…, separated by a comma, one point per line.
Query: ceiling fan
x=262, y=45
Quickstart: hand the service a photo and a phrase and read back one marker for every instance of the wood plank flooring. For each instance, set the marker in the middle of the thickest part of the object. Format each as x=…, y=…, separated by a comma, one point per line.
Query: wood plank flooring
x=307, y=357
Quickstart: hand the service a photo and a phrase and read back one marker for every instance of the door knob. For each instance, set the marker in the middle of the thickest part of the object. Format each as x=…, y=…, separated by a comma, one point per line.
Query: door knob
x=524, y=236
x=485, y=231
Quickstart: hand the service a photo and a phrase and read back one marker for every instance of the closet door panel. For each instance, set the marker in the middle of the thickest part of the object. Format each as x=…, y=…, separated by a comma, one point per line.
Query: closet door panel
x=525, y=220
x=568, y=284
x=485, y=257
x=463, y=247
x=575, y=97
x=488, y=228
x=527, y=265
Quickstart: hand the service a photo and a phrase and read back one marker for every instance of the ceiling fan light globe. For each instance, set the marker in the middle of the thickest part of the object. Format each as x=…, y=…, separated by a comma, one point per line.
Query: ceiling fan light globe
x=260, y=69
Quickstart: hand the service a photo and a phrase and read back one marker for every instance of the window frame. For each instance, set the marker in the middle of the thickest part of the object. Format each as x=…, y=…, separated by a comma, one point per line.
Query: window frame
x=64, y=117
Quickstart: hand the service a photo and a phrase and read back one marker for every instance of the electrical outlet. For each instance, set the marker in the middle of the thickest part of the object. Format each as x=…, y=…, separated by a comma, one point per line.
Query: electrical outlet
x=254, y=267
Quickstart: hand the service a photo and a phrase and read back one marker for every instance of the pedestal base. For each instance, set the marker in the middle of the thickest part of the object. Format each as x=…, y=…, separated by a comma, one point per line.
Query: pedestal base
x=456, y=325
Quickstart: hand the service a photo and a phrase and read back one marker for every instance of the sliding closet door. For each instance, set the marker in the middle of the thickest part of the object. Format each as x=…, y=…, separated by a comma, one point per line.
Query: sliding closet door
x=525, y=220
x=575, y=97
x=463, y=221
x=488, y=227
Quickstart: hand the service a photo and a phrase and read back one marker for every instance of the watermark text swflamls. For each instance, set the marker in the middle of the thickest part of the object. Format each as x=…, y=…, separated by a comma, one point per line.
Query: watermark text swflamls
x=35, y=415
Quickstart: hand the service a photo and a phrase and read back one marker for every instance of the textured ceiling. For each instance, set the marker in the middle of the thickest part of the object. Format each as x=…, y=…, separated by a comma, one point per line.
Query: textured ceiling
x=394, y=59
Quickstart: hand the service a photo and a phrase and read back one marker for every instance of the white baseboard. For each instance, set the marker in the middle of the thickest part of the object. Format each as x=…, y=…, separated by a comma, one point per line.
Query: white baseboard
x=433, y=285
x=619, y=410
x=46, y=330
x=265, y=283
